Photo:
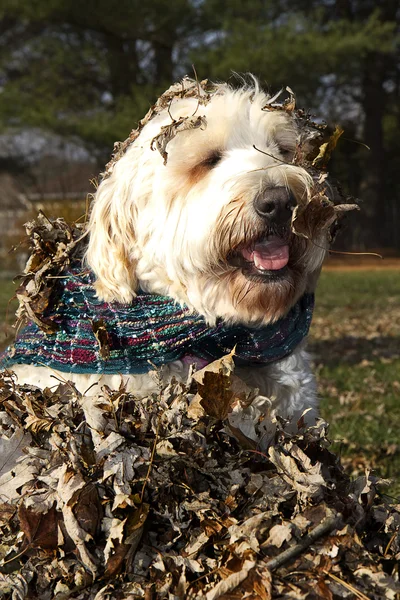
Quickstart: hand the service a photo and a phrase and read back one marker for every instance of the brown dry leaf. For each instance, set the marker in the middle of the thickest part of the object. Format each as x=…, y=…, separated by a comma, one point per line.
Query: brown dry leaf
x=53, y=245
x=101, y=335
x=201, y=90
x=250, y=530
x=7, y=511
x=135, y=524
x=14, y=471
x=115, y=562
x=214, y=387
x=40, y=529
x=317, y=215
x=290, y=103
x=123, y=540
x=327, y=148
x=304, y=477
x=231, y=582
x=14, y=584
x=32, y=304
x=323, y=590
x=382, y=580
x=37, y=424
x=168, y=132
x=278, y=535
x=244, y=441
x=12, y=449
x=87, y=509
x=263, y=585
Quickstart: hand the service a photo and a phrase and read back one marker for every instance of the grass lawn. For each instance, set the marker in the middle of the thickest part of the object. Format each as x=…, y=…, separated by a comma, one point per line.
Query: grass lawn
x=355, y=338
x=7, y=310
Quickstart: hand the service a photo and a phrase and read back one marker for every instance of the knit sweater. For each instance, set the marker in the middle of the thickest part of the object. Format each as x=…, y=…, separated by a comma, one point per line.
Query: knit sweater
x=98, y=337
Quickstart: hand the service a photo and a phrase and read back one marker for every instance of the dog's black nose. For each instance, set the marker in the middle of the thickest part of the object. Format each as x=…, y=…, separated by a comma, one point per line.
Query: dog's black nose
x=275, y=205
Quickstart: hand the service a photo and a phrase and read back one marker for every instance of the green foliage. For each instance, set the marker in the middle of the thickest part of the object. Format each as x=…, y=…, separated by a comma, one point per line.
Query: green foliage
x=81, y=68
x=299, y=50
x=87, y=69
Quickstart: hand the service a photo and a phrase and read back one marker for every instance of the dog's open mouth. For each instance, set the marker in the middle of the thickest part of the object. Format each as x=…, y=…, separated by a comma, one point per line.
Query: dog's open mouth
x=267, y=257
x=270, y=254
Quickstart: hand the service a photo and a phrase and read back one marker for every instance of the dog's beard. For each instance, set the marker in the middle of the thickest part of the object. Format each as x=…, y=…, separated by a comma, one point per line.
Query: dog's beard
x=268, y=277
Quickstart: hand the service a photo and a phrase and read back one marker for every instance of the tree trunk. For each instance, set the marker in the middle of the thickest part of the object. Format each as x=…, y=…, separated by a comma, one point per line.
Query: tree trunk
x=164, y=65
x=372, y=189
x=123, y=64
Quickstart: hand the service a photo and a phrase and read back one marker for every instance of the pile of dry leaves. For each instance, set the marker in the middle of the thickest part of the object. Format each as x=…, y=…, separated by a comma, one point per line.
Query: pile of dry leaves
x=104, y=496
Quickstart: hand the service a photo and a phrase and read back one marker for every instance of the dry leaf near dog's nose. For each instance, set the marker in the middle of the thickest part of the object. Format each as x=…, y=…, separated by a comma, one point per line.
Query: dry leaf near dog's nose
x=318, y=215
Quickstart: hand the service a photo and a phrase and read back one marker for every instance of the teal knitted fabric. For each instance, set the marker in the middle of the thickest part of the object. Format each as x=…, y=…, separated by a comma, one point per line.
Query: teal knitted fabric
x=153, y=330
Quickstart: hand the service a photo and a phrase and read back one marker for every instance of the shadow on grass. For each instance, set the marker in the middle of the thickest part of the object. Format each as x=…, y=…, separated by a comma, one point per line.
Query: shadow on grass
x=354, y=350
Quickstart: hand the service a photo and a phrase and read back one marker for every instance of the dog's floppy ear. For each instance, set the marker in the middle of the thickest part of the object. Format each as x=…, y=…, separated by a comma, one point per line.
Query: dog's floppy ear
x=112, y=238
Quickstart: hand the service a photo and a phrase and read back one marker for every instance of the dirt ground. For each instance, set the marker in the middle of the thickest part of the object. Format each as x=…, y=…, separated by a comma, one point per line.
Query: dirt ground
x=360, y=263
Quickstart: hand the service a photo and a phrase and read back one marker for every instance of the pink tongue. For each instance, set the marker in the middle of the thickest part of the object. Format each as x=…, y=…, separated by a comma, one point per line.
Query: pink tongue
x=270, y=255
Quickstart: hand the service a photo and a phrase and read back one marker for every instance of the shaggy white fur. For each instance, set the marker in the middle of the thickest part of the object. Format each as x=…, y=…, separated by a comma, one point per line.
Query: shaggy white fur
x=211, y=229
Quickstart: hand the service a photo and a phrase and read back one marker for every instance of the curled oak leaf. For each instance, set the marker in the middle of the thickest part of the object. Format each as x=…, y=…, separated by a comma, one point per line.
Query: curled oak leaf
x=34, y=304
x=187, y=88
x=168, y=132
x=318, y=215
x=303, y=476
x=326, y=149
x=36, y=424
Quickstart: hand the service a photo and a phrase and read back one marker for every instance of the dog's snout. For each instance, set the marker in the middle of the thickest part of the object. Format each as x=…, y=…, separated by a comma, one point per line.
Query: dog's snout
x=275, y=205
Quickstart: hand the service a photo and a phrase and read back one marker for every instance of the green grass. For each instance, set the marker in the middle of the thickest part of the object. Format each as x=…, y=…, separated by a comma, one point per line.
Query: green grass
x=7, y=310
x=357, y=289
x=355, y=338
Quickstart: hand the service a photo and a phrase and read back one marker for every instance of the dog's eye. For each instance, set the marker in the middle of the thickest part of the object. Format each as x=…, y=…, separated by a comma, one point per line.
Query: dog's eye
x=212, y=160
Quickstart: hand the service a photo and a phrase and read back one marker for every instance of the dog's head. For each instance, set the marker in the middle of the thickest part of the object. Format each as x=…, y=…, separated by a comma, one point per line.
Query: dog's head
x=199, y=208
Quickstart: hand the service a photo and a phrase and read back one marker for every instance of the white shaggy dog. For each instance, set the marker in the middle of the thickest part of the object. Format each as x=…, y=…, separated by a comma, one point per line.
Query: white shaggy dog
x=198, y=208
